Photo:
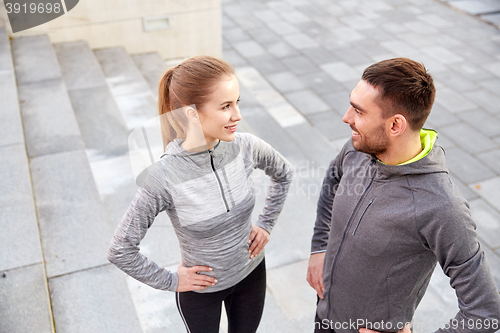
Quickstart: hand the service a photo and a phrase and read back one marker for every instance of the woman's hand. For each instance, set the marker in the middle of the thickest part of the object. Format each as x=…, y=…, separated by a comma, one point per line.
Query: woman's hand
x=192, y=279
x=258, y=239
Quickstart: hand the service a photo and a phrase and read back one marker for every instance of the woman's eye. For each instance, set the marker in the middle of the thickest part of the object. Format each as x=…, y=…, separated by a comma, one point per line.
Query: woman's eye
x=225, y=107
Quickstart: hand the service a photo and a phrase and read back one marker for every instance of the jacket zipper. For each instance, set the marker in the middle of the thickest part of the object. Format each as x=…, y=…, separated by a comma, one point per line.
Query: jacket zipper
x=363, y=214
x=343, y=239
x=218, y=180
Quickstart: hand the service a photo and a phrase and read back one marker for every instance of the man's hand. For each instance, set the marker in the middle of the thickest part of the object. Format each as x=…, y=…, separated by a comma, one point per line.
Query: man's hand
x=258, y=239
x=191, y=278
x=405, y=329
x=315, y=272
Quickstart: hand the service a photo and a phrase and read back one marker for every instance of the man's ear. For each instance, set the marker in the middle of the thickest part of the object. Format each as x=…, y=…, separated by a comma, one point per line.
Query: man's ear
x=192, y=114
x=398, y=124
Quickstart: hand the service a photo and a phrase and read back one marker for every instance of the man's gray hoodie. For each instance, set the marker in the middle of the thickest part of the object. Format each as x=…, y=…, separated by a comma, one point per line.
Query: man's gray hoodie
x=383, y=229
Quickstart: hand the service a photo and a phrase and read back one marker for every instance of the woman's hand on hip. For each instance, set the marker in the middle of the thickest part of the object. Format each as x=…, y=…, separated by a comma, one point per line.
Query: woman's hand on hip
x=192, y=278
x=258, y=239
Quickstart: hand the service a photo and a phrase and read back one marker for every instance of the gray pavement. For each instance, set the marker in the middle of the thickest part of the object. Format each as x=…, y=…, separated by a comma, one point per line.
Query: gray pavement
x=296, y=62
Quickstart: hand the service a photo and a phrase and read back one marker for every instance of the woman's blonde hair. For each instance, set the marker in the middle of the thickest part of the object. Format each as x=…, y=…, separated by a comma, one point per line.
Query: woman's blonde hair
x=190, y=82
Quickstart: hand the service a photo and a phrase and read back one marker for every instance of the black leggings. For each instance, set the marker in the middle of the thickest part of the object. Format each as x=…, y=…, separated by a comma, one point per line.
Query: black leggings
x=244, y=303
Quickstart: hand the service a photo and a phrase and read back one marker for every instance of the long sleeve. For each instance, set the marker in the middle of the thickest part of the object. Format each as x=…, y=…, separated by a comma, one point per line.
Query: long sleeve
x=325, y=204
x=280, y=171
x=148, y=202
x=452, y=238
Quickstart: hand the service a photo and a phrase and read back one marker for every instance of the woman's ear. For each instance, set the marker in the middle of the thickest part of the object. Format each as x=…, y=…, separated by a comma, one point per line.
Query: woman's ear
x=192, y=114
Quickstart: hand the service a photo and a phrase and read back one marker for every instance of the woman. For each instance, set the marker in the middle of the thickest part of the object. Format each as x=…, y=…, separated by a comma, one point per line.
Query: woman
x=203, y=182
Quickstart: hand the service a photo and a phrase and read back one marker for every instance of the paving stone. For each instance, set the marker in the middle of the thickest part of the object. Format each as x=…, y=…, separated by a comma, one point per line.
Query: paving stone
x=487, y=220
x=267, y=64
x=476, y=7
x=25, y=305
x=464, y=189
x=286, y=115
x=294, y=16
x=292, y=292
x=156, y=309
x=281, y=50
x=249, y=22
x=279, y=6
x=455, y=81
x=357, y=22
x=319, y=56
x=10, y=117
x=234, y=10
x=301, y=41
x=100, y=141
x=341, y=71
x=316, y=146
x=269, y=130
x=483, y=121
x=34, y=59
x=486, y=45
x=339, y=101
x=264, y=35
x=394, y=27
x=74, y=232
x=5, y=50
x=431, y=64
x=286, y=81
x=438, y=305
x=108, y=308
x=266, y=15
x=233, y=58
x=309, y=8
x=275, y=321
x=445, y=40
x=48, y=119
x=468, y=137
x=445, y=142
x=235, y=35
x=492, y=18
x=453, y=102
x=440, y=53
x=347, y=34
x=421, y=27
x=472, y=71
x=227, y=22
x=472, y=55
x=491, y=158
x=282, y=28
x=351, y=56
x=493, y=67
x=311, y=28
x=465, y=167
x=299, y=65
x=493, y=85
x=369, y=47
x=307, y=102
x=489, y=190
x=321, y=83
x=440, y=117
x=79, y=66
x=331, y=125
x=399, y=48
x=435, y=20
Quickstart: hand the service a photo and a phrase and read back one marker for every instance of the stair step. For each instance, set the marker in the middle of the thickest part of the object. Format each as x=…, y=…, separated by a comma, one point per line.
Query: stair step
x=129, y=88
x=25, y=306
x=152, y=67
x=95, y=300
x=48, y=119
x=100, y=121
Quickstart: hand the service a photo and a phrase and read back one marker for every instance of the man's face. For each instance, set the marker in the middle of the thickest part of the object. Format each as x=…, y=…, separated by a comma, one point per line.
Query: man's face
x=366, y=120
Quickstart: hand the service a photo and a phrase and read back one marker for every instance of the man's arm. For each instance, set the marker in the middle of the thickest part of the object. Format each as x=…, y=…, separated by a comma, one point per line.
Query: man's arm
x=323, y=223
x=452, y=237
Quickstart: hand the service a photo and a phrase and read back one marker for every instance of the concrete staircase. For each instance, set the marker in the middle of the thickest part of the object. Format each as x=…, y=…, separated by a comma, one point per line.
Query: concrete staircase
x=67, y=112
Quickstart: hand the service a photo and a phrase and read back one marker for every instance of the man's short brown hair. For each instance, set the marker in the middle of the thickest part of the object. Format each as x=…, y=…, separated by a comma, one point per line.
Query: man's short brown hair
x=405, y=87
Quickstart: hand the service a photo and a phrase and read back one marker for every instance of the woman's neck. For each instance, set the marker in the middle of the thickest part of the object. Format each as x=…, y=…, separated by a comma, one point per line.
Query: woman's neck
x=196, y=145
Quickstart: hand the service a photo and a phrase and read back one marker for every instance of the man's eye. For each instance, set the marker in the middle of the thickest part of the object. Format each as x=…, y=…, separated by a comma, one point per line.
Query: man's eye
x=357, y=111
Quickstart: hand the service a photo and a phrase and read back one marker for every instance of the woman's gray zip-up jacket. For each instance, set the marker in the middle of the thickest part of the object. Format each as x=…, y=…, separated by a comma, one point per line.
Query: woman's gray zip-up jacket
x=383, y=229
x=209, y=198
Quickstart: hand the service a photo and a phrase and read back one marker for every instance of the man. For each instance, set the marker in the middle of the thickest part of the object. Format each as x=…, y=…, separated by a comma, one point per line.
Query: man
x=388, y=212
